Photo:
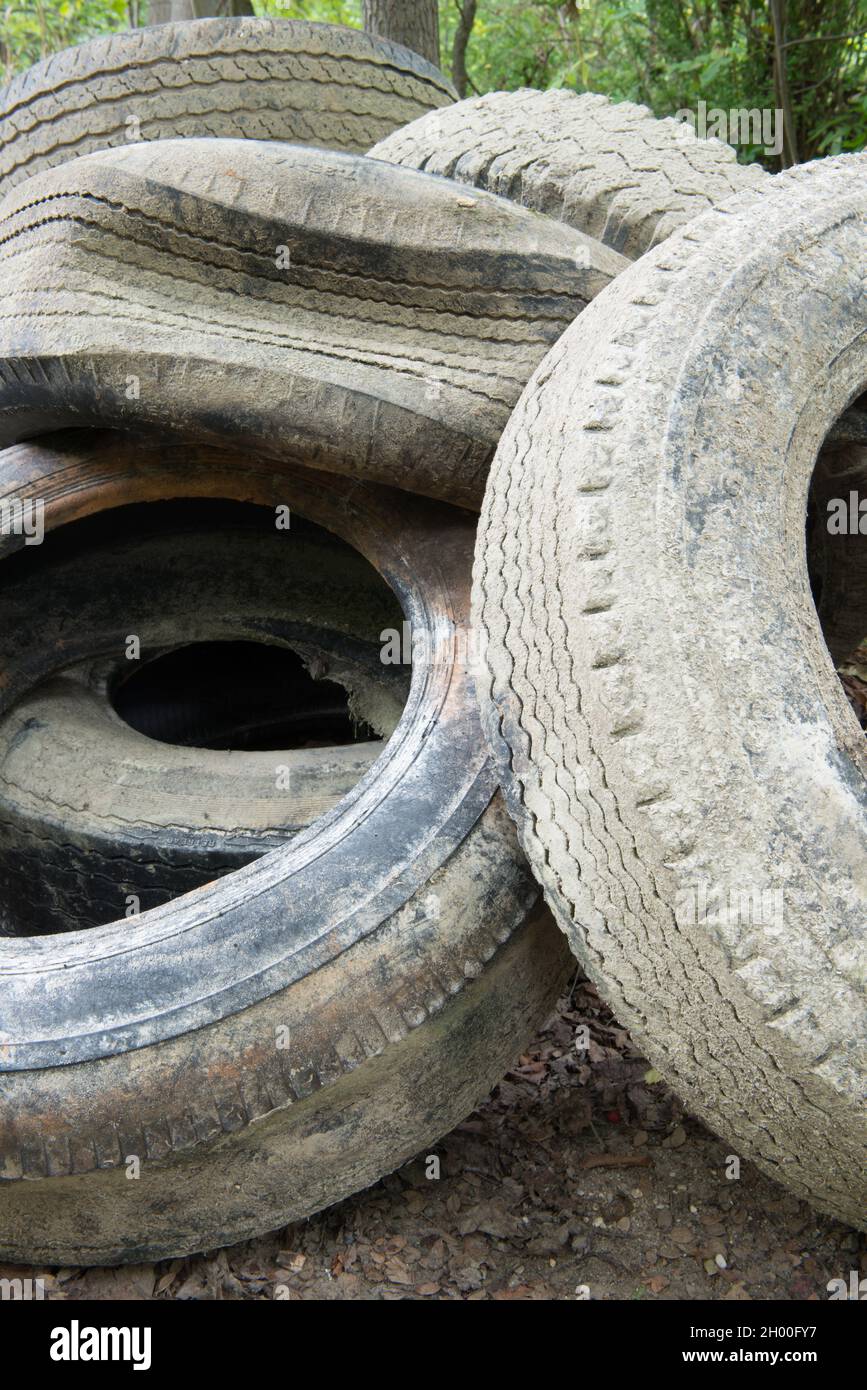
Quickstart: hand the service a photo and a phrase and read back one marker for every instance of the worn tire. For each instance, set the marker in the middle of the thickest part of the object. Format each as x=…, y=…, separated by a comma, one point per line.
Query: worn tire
x=610, y=169
x=282, y=1037
x=96, y=820
x=92, y=811
x=338, y=311
x=262, y=79
x=669, y=729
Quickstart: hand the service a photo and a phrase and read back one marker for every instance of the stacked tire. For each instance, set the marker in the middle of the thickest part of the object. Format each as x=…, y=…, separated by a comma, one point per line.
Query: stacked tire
x=527, y=303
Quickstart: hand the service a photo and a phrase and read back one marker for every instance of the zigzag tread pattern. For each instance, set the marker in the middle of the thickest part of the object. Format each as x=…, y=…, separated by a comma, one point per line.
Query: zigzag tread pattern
x=715, y=1037
x=279, y=80
x=608, y=169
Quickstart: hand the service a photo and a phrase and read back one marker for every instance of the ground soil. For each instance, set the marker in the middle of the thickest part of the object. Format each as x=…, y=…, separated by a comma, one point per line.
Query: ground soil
x=580, y=1176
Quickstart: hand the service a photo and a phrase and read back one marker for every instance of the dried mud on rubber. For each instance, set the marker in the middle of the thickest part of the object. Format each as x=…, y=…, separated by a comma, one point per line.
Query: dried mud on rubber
x=580, y=1175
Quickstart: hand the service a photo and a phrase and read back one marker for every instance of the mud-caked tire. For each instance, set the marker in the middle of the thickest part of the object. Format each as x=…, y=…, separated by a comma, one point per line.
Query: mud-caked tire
x=282, y=1037
x=610, y=169
x=672, y=739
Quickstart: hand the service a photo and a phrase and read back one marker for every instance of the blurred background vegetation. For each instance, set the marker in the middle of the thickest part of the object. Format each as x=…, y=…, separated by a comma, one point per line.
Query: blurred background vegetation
x=807, y=55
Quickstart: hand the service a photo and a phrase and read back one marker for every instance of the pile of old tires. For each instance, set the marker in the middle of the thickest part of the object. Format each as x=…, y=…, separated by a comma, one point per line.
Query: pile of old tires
x=255, y=386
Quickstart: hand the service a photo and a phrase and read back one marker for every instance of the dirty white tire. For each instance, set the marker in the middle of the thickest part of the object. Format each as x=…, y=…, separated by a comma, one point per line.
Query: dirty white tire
x=686, y=773
x=362, y=318
x=610, y=169
x=262, y=79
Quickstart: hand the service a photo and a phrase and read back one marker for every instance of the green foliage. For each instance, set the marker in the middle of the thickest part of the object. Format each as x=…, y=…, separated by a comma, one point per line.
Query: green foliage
x=671, y=54
x=668, y=54
x=321, y=11
x=828, y=76
x=34, y=29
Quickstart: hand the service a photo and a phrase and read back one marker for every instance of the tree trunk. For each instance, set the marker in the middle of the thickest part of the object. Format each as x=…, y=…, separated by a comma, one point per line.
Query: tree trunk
x=414, y=23
x=781, y=85
x=165, y=11
x=466, y=19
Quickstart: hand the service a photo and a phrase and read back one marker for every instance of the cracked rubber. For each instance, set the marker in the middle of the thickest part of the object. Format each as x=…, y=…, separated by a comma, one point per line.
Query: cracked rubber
x=665, y=716
x=314, y=306
x=281, y=1038
x=262, y=79
x=610, y=169
x=92, y=811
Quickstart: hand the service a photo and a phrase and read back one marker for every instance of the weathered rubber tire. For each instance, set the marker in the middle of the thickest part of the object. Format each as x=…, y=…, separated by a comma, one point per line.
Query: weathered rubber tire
x=265, y=79
x=139, y=287
x=610, y=169
x=91, y=811
x=354, y=993
x=96, y=819
x=666, y=719
x=413, y=1085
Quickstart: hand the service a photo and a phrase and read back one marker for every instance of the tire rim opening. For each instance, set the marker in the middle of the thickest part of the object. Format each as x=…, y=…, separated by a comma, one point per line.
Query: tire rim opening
x=245, y=696
x=138, y=827
x=837, y=551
